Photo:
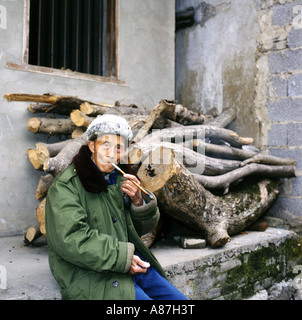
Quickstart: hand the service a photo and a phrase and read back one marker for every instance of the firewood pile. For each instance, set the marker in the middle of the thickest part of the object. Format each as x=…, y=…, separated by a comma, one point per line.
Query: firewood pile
x=205, y=176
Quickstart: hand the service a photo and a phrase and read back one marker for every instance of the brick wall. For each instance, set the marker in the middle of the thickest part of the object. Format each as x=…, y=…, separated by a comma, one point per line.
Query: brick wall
x=281, y=46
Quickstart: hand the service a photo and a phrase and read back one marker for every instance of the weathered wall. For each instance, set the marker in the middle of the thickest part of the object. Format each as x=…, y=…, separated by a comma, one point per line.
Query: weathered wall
x=146, y=67
x=215, y=59
x=247, y=55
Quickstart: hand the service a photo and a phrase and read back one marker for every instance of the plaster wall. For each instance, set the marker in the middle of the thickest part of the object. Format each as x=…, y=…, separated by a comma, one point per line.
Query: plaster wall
x=215, y=59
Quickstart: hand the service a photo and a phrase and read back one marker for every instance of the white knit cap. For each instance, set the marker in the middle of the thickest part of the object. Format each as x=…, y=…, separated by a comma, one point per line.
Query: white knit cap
x=110, y=124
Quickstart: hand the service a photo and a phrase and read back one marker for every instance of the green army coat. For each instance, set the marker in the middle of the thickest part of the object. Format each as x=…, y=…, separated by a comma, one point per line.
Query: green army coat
x=92, y=235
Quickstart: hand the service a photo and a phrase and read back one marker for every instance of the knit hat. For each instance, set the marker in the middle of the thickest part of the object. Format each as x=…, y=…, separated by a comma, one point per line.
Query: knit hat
x=110, y=124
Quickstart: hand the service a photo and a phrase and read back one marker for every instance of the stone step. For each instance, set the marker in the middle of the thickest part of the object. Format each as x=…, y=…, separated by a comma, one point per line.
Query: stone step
x=250, y=262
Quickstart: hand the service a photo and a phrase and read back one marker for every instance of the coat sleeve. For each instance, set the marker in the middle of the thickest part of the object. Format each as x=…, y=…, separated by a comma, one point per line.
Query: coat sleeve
x=145, y=217
x=70, y=236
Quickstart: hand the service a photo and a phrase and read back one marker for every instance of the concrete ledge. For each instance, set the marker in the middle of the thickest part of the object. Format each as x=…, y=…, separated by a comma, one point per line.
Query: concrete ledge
x=247, y=264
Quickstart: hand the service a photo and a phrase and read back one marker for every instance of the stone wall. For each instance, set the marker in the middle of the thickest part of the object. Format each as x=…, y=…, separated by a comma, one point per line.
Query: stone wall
x=278, y=100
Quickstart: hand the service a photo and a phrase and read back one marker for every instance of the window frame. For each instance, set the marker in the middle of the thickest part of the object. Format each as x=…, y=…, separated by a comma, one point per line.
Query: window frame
x=25, y=66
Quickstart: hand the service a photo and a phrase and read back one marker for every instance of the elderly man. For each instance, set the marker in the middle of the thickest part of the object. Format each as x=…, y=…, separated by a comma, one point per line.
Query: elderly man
x=94, y=220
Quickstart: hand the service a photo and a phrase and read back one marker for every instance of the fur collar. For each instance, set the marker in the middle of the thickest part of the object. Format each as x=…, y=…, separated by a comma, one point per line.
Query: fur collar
x=90, y=176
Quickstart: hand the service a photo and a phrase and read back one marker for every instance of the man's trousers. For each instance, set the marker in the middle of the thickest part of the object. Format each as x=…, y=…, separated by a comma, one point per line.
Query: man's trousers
x=153, y=286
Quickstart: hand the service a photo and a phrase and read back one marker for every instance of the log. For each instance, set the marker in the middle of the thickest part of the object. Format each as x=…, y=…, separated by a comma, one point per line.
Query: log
x=164, y=123
x=38, y=108
x=180, y=195
x=195, y=162
x=43, y=186
x=47, y=108
x=60, y=162
x=184, y=133
x=45, y=151
x=80, y=119
x=128, y=111
x=50, y=126
x=155, y=113
x=182, y=115
x=136, y=124
x=220, y=121
x=226, y=135
x=32, y=233
x=33, y=159
x=95, y=110
x=45, y=98
x=228, y=152
x=57, y=101
x=40, y=215
x=224, y=119
x=267, y=159
x=224, y=181
x=78, y=131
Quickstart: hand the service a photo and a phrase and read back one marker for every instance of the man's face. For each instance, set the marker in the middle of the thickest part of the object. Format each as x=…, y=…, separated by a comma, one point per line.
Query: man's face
x=106, y=149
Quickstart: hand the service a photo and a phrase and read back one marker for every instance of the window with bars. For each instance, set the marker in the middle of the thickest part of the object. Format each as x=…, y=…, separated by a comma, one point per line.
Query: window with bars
x=78, y=35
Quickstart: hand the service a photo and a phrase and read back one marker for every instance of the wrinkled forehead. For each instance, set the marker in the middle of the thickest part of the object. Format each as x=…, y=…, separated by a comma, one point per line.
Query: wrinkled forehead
x=112, y=139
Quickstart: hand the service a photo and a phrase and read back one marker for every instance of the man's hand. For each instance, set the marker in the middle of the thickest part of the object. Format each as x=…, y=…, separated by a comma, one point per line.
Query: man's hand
x=138, y=265
x=132, y=190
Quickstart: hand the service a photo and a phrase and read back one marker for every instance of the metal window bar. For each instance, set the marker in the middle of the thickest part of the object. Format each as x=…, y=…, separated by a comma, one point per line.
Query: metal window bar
x=74, y=34
x=104, y=39
x=39, y=35
x=65, y=35
x=52, y=50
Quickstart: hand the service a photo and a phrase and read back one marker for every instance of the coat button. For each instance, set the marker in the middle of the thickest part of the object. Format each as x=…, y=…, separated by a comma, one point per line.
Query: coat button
x=114, y=219
x=115, y=284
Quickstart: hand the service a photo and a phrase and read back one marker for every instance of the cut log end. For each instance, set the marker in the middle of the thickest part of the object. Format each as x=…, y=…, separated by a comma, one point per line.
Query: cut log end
x=43, y=186
x=246, y=140
x=163, y=160
x=40, y=215
x=80, y=119
x=33, y=159
x=32, y=233
x=77, y=132
x=86, y=108
x=42, y=153
x=33, y=125
x=219, y=237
